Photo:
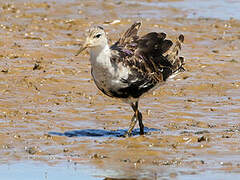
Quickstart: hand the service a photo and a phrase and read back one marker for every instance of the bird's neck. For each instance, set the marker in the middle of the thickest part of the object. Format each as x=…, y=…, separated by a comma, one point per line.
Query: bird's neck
x=100, y=56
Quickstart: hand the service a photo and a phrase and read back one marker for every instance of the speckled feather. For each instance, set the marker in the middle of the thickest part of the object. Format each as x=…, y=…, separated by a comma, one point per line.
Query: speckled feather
x=150, y=58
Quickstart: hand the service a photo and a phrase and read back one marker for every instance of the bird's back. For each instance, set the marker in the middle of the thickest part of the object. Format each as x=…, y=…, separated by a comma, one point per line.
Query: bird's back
x=152, y=59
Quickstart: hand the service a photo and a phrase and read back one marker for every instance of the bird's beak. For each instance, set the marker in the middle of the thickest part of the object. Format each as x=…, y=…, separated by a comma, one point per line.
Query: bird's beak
x=84, y=46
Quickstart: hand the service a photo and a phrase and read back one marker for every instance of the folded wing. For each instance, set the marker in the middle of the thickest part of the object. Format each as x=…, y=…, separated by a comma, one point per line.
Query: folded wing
x=152, y=59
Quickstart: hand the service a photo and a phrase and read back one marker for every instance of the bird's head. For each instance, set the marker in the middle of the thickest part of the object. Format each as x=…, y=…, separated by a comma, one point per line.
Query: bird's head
x=96, y=37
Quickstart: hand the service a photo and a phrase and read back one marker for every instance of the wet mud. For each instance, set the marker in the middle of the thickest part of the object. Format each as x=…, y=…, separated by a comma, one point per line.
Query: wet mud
x=51, y=112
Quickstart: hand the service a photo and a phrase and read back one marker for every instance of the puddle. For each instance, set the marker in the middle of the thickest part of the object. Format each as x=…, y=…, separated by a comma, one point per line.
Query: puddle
x=201, y=9
x=29, y=171
x=213, y=176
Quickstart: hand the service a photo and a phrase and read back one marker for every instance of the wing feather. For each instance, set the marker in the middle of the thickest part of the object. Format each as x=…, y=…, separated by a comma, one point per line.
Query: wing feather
x=152, y=59
x=131, y=35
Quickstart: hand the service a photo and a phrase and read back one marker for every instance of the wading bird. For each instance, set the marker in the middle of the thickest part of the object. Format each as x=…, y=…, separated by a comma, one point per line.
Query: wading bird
x=133, y=65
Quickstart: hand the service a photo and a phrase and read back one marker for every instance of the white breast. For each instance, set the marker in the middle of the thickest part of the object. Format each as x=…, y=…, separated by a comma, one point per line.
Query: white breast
x=105, y=75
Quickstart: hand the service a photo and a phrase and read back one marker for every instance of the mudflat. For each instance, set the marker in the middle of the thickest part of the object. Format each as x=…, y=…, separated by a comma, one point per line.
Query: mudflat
x=51, y=113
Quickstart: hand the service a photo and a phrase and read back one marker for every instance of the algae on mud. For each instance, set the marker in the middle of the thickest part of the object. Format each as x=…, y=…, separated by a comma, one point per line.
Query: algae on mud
x=44, y=88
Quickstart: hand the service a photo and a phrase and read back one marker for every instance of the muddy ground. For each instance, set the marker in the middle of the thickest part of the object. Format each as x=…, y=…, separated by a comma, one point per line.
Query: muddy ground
x=51, y=112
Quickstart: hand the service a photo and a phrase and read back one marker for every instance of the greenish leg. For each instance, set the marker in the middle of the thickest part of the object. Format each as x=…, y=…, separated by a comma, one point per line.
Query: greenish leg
x=137, y=116
x=132, y=125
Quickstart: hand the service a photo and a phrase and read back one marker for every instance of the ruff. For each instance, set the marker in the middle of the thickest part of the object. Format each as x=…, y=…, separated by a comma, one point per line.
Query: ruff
x=133, y=65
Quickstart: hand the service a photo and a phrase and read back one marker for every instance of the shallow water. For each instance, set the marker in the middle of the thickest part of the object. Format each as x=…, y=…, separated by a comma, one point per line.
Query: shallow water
x=53, y=118
x=30, y=170
x=26, y=171
x=220, y=9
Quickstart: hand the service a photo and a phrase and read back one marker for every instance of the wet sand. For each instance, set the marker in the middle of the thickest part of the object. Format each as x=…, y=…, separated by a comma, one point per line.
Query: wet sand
x=52, y=114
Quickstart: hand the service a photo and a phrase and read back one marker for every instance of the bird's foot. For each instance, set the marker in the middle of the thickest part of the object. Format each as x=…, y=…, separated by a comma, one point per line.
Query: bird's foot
x=127, y=134
x=142, y=132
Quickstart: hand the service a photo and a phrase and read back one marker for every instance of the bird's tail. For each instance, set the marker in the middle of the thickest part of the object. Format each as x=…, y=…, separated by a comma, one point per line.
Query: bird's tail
x=174, y=58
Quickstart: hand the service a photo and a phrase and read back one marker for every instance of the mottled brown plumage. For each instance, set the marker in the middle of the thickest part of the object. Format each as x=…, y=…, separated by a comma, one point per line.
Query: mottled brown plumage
x=150, y=58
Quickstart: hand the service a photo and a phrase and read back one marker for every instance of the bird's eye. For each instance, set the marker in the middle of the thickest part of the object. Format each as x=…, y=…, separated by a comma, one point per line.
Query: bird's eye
x=97, y=36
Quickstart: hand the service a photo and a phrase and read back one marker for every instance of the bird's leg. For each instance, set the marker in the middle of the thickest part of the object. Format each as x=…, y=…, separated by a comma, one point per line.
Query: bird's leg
x=139, y=117
x=133, y=120
x=132, y=124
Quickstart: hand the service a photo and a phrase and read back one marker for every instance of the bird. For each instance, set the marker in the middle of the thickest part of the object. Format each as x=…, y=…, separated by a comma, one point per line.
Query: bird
x=132, y=66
